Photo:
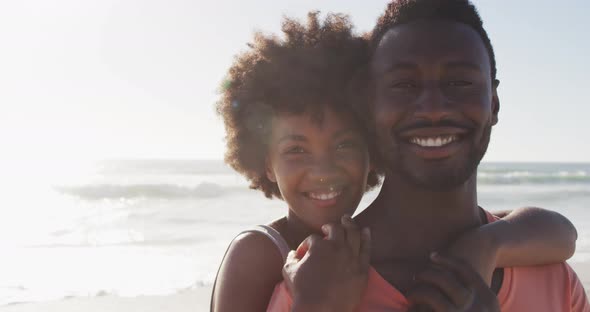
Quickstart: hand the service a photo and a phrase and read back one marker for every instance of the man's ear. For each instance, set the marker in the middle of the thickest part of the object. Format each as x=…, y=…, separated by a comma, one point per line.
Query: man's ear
x=270, y=174
x=495, y=101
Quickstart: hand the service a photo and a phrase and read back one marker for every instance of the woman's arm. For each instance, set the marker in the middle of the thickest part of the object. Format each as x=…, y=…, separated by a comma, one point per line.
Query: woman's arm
x=248, y=274
x=531, y=236
x=524, y=236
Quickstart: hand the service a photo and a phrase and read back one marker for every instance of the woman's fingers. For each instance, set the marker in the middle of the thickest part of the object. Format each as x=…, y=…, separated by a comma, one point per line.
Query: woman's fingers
x=353, y=234
x=365, y=250
x=306, y=245
x=350, y=242
x=334, y=232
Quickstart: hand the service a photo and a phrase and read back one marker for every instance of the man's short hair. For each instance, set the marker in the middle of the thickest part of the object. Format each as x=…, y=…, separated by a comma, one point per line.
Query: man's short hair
x=399, y=12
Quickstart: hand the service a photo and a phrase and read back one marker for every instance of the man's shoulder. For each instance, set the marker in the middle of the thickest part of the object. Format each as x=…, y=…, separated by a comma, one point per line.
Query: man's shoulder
x=547, y=276
x=561, y=269
x=550, y=287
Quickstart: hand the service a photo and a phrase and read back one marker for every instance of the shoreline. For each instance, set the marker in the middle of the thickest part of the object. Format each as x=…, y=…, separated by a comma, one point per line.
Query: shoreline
x=196, y=299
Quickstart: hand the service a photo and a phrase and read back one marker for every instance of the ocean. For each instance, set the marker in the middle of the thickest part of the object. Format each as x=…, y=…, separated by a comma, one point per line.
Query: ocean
x=151, y=227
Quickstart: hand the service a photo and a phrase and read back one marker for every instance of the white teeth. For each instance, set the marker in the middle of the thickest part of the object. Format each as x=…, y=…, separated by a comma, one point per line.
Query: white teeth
x=324, y=196
x=434, y=141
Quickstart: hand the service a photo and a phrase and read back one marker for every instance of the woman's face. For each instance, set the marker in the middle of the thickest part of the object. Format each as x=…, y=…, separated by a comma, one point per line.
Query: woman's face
x=320, y=167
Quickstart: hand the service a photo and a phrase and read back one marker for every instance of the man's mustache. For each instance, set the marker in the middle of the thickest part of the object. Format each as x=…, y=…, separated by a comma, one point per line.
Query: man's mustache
x=423, y=123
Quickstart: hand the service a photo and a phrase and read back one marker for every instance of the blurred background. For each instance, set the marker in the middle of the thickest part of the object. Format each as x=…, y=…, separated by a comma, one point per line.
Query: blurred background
x=111, y=175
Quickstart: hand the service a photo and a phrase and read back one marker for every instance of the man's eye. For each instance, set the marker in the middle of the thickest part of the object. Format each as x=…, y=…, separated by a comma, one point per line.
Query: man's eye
x=403, y=85
x=459, y=83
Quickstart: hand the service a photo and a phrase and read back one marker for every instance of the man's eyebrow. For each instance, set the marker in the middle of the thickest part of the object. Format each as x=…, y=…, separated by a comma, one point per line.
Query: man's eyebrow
x=291, y=137
x=399, y=66
x=464, y=65
x=411, y=66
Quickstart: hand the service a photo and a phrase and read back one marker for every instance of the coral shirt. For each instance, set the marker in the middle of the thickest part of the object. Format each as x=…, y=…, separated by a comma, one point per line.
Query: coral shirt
x=549, y=288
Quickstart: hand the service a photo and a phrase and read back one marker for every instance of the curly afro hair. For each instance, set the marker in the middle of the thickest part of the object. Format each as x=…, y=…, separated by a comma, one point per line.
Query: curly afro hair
x=400, y=12
x=312, y=68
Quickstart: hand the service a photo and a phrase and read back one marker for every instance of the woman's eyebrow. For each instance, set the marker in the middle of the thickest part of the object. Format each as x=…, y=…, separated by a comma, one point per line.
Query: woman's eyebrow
x=292, y=137
x=344, y=132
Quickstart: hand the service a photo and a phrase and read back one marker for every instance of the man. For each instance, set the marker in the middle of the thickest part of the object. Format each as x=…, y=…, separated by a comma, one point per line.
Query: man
x=435, y=101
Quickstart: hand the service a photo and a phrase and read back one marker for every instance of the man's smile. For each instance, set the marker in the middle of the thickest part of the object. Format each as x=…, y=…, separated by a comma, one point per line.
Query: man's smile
x=434, y=142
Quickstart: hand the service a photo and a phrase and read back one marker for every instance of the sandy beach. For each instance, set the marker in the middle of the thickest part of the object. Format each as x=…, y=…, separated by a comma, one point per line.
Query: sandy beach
x=195, y=300
x=191, y=300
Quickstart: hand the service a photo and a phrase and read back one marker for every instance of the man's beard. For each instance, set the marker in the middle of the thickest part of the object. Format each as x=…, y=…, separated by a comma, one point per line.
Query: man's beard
x=435, y=175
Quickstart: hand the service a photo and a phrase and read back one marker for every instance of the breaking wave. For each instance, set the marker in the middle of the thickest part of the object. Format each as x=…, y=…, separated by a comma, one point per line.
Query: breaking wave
x=168, y=191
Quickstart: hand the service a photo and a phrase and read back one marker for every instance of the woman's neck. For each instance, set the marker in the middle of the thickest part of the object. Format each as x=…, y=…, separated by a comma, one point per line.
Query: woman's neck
x=293, y=230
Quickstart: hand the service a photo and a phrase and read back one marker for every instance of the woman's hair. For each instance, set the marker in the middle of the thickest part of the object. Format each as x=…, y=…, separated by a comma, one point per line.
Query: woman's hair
x=309, y=70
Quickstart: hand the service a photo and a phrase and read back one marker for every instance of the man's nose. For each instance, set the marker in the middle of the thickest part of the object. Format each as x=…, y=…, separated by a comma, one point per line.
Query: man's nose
x=432, y=104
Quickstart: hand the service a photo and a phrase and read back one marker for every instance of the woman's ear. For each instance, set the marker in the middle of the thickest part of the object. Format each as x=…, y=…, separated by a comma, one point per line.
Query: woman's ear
x=270, y=174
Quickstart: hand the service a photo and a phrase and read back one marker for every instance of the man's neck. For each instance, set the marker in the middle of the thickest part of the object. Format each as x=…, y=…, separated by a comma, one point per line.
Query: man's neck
x=411, y=222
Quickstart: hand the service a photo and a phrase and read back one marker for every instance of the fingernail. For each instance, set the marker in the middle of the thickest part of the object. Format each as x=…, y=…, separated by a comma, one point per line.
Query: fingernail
x=325, y=228
x=434, y=256
x=346, y=218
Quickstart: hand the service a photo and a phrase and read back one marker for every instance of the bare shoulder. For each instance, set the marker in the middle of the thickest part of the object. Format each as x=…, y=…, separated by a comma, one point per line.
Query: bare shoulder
x=252, y=250
x=248, y=274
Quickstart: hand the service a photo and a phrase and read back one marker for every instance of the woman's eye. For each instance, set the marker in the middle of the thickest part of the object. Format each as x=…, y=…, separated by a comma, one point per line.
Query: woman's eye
x=347, y=144
x=295, y=150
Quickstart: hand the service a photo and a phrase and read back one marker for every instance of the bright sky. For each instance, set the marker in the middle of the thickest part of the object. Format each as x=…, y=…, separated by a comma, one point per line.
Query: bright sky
x=100, y=79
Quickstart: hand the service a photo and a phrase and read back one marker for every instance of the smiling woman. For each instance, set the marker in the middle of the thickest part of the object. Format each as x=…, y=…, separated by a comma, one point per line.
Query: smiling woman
x=313, y=75
x=292, y=132
x=320, y=168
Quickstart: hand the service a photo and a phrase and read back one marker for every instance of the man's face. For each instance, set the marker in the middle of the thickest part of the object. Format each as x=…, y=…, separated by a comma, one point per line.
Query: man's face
x=435, y=102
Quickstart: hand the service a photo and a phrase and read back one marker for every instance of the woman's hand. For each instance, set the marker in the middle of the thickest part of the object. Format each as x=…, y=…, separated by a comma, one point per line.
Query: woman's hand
x=451, y=285
x=479, y=249
x=329, y=274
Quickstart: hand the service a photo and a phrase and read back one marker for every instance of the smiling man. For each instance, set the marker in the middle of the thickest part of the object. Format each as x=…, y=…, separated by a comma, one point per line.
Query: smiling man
x=434, y=103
